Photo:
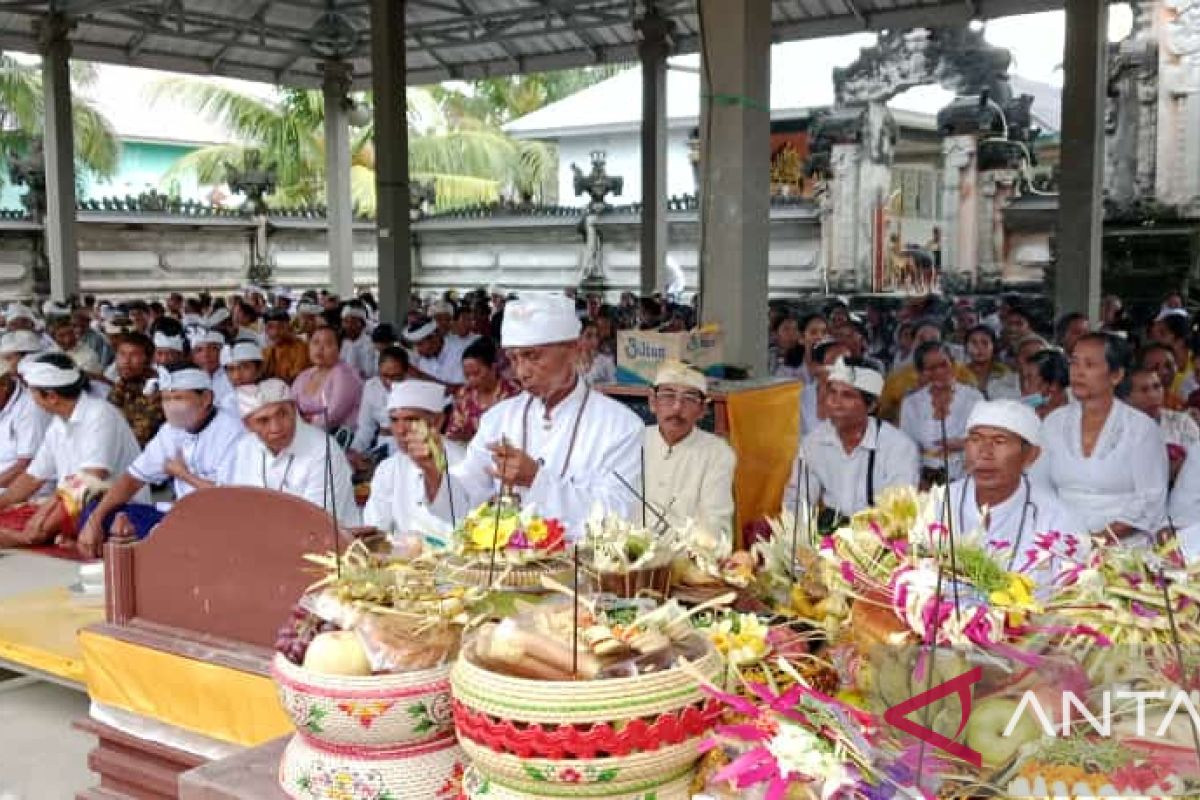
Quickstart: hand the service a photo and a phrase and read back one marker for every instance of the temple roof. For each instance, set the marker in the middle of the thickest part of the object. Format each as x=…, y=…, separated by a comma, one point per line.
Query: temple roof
x=285, y=41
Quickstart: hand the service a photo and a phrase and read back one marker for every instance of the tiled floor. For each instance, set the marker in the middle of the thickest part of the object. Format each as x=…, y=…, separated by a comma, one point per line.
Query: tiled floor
x=41, y=756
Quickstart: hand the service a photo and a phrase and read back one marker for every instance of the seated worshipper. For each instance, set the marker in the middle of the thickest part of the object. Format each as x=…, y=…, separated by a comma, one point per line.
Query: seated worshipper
x=195, y=448
x=220, y=321
x=1106, y=460
x=62, y=330
x=16, y=346
x=19, y=317
x=286, y=355
x=993, y=379
x=243, y=364
x=383, y=338
x=812, y=396
x=998, y=500
x=1184, y=507
x=559, y=444
x=462, y=331
x=688, y=472
x=140, y=408
x=86, y=445
x=1173, y=328
x=81, y=318
x=442, y=313
x=433, y=357
x=935, y=416
x=308, y=319
x=485, y=387
x=1161, y=359
x=398, y=503
x=170, y=344
x=329, y=392
x=1178, y=429
x=1045, y=377
x=852, y=456
x=594, y=366
x=906, y=378
x=22, y=422
x=206, y=354
x=286, y=454
x=373, y=434
x=785, y=355
x=357, y=348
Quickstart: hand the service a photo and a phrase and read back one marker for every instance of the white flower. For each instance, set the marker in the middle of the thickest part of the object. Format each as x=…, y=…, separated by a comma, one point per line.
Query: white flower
x=799, y=753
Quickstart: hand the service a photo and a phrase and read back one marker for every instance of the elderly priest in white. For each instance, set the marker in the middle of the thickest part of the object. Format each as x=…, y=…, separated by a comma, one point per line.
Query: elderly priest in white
x=286, y=454
x=398, y=504
x=559, y=444
x=1022, y=523
x=852, y=456
x=688, y=471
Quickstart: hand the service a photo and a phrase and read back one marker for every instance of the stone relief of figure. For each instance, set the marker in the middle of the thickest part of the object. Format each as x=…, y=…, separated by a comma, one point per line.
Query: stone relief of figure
x=591, y=259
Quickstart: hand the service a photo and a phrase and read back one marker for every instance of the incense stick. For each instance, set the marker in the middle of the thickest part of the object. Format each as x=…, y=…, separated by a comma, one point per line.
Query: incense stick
x=575, y=621
x=949, y=519
x=1176, y=642
x=499, y=506
x=662, y=520
x=802, y=474
x=337, y=537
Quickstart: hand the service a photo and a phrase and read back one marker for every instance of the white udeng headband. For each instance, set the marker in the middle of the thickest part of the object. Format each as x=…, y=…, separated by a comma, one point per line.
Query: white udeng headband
x=42, y=375
x=180, y=380
x=861, y=378
x=164, y=342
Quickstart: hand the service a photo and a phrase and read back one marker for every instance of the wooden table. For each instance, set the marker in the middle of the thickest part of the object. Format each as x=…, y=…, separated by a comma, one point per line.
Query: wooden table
x=249, y=775
x=39, y=618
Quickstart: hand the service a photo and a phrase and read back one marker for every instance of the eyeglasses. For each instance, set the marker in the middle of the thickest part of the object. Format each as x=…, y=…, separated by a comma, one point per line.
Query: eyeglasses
x=671, y=397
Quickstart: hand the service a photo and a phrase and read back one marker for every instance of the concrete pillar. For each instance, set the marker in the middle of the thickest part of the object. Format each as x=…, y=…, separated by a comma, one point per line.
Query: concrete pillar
x=392, y=195
x=59, y=149
x=1080, y=212
x=654, y=47
x=960, y=206
x=338, y=201
x=736, y=210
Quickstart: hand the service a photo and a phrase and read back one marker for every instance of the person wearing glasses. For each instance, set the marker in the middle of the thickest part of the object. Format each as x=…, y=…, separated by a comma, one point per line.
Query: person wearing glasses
x=688, y=471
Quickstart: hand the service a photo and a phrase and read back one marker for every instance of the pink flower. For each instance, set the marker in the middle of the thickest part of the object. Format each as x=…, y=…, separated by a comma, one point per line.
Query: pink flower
x=570, y=775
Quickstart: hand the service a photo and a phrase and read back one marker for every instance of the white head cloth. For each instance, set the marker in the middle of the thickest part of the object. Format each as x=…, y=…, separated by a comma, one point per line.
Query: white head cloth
x=422, y=395
x=441, y=307
x=52, y=308
x=864, y=379
x=415, y=335
x=20, y=342
x=41, y=375
x=240, y=352
x=676, y=372
x=260, y=395
x=354, y=311
x=1009, y=415
x=192, y=320
x=533, y=321
x=188, y=378
x=203, y=336
x=308, y=308
x=216, y=318
x=164, y=342
x=1171, y=312
x=18, y=311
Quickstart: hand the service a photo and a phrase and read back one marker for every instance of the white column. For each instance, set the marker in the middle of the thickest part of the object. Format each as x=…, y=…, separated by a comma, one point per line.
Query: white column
x=1080, y=212
x=59, y=149
x=653, y=50
x=392, y=194
x=338, y=202
x=736, y=207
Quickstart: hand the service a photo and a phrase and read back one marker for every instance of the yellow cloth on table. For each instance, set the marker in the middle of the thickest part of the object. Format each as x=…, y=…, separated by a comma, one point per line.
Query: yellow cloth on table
x=209, y=699
x=38, y=630
x=764, y=429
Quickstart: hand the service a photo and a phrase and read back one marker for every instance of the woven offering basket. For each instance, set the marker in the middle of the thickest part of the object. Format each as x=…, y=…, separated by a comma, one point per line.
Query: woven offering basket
x=508, y=577
x=655, y=582
x=598, y=738
x=477, y=786
x=312, y=770
x=375, y=711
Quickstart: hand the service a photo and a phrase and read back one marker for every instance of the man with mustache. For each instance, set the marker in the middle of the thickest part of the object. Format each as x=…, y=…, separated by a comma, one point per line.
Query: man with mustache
x=689, y=472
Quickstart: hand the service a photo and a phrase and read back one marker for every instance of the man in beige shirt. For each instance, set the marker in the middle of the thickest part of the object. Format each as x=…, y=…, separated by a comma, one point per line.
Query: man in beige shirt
x=688, y=471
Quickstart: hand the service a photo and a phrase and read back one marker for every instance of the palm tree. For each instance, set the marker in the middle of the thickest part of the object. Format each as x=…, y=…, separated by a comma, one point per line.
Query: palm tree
x=467, y=165
x=22, y=117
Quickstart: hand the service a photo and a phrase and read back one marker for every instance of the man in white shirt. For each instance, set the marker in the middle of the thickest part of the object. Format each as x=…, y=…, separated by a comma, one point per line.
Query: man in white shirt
x=62, y=330
x=373, y=433
x=442, y=313
x=998, y=500
x=1183, y=510
x=852, y=456
x=22, y=424
x=286, y=454
x=206, y=354
x=398, y=504
x=15, y=346
x=462, y=332
x=195, y=448
x=243, y=365
x=86, y=435
x=559, y=444
x=357, y=348
x=688, y=471
x=434, y=357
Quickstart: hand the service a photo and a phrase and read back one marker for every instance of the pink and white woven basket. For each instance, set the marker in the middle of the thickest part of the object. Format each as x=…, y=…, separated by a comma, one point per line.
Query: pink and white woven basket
x=477, y=786
x=382, y=711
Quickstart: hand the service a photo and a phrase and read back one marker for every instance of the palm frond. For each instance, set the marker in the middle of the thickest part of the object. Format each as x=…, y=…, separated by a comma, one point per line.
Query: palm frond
x=537, y=169
x=454, y=191
x=20, y=96
x=362, y=190
x=250, y=118
x=210, y=165
x=485, y=154
x=96, y=145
